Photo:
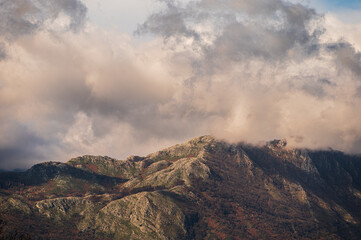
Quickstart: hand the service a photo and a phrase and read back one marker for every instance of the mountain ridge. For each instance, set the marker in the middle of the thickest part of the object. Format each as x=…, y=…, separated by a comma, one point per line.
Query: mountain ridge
x=202, y=189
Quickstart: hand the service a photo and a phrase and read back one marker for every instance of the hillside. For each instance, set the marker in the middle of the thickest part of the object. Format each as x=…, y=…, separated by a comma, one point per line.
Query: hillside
x=202, y=189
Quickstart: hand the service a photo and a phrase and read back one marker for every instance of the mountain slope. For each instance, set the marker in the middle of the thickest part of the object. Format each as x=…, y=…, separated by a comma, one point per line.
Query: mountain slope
x=202, y=189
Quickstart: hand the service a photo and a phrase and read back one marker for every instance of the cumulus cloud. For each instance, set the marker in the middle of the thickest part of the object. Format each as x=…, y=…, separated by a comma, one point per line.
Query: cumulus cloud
x=241, y=70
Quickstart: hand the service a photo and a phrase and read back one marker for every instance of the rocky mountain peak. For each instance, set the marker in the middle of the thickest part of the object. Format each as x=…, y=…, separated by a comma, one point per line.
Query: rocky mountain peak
x=201, y=189
x=278, y=143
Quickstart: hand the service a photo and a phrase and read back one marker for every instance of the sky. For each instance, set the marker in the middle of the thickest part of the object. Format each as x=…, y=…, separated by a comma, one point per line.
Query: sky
x=119, y=78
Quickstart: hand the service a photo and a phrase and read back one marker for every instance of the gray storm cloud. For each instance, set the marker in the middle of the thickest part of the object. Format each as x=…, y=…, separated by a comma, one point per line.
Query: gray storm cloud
x=21, y=17
x=241, y=70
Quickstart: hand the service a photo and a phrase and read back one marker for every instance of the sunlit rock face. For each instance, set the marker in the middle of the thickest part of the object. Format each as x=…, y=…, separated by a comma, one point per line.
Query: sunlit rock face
x=202, y=189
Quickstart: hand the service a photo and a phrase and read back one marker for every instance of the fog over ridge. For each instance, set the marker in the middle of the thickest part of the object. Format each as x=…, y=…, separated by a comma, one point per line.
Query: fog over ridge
x=239, y=70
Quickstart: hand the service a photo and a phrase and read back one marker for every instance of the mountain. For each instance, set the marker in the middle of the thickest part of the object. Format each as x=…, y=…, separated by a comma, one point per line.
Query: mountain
x=202, y=189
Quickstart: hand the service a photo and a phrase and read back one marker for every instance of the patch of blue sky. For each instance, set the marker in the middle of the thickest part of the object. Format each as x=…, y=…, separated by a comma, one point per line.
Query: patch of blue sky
x=348, y=11
x=344, y=3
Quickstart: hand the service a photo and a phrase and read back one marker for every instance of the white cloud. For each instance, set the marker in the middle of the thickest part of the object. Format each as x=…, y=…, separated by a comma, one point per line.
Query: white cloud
x=337, y=29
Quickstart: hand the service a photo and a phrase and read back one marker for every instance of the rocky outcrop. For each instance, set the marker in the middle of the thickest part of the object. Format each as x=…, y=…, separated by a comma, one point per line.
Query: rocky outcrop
x=298, y=158
x=13, y=204
x=108, y=166
x=146, y=215
x=65, y=208
x=191, y=148
x=183, y=171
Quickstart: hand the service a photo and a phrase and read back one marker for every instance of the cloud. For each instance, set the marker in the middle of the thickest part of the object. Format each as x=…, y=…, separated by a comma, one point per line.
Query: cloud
x=265, y=69
x=76, y=91
x=21, y=17
x=17, y=136
x=2, y=51
x=241, y=70
x=239, y=29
